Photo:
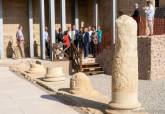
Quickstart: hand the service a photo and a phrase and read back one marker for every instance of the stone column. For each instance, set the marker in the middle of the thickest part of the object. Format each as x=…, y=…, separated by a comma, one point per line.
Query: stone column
x=96, y=13
x=52, y=23
x=125, y=68
x=1, y=31
x=63, y=15
x=76, y=14
x=42, y=28
x=114, y=13
x=31, y=29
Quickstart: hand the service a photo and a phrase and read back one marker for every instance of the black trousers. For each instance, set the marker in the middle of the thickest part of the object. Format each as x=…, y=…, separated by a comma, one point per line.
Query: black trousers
x=48, y=48
x=94, y=49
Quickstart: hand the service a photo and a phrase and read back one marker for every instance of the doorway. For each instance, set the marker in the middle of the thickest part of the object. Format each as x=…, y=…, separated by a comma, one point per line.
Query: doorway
x=156, y=3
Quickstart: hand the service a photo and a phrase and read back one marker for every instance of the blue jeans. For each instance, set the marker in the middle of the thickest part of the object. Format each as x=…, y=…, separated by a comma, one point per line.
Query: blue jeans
x=86, y=50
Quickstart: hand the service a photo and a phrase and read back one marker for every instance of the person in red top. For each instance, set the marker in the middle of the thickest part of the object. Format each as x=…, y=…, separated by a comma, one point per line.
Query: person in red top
x=66, y=39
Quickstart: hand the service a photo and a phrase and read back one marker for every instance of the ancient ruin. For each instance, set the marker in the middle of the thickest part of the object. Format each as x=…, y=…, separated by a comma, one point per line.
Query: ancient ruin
x=125, y=68
x=37, y=68
x=54, y=75
x=80, y=85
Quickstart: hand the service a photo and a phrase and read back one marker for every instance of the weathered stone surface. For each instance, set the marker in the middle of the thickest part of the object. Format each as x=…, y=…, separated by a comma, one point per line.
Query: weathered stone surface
x=80, y=85
x=125, y=66
x=151, y=57
x=55, y=74
x=126, y=112
x=36, y=69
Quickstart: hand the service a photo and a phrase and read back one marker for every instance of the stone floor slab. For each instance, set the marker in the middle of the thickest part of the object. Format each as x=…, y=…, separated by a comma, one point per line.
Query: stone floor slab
x=17, y=96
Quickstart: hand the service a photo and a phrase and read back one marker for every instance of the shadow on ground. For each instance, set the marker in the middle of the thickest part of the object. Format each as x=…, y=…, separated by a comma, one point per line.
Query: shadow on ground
x=77, y=102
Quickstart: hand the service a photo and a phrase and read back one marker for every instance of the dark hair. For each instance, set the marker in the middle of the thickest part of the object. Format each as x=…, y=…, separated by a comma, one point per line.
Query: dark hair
x=60, y=29
x=149, y=2
x=19, y=27
x=121, y=13
x=94, y=27
x=46, y=28
x=66, y=32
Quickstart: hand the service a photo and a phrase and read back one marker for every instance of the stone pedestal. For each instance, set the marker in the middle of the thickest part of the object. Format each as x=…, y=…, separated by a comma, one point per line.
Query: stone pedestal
x=54, y=75
x=125, y=68
x=37, y=69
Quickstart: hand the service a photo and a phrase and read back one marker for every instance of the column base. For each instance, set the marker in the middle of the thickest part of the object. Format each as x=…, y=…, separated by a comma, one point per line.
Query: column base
x=126, y=106
x=125, y=112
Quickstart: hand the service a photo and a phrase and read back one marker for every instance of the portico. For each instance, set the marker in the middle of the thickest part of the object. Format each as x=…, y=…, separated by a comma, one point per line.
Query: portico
x=35, y=15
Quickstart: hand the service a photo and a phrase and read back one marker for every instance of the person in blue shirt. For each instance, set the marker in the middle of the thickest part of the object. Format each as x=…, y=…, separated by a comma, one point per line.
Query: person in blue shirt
x=86, y=42
x=100, y=35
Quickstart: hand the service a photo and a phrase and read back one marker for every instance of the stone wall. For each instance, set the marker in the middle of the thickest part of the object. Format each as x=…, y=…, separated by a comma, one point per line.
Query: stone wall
x=158, y=57
x=151, y=55
x=14, y=13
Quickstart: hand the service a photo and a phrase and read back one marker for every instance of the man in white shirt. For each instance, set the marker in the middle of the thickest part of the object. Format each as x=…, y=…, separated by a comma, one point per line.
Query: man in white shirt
x=150, y=12
x=47, y=41
x=20, y=40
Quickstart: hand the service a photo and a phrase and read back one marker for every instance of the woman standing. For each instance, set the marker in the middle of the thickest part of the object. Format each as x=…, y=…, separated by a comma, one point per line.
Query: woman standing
x=150, y=12
x=66, y=40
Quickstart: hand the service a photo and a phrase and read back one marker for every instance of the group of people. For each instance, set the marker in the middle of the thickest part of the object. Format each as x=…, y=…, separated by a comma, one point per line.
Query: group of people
x=149, y=11
x=88, y=39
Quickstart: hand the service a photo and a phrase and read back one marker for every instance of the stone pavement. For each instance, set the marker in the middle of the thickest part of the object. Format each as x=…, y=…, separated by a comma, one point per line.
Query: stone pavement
x=18, y=96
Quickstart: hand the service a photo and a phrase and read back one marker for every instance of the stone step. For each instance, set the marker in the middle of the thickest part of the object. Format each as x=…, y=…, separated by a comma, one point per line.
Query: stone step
x=89, y=73
x=92, y=69
x=87, y=65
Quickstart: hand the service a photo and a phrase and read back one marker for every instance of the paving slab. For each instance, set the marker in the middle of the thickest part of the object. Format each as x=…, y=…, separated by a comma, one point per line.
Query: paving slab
x=17, y=96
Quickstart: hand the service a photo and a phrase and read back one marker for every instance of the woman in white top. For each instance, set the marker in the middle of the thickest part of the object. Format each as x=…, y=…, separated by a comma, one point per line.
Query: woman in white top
x=150, y=12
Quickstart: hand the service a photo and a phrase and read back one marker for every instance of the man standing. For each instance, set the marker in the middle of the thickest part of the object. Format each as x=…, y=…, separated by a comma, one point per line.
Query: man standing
x=20, y=40
x=90, y=39
x=75, y=35
x=150, y=12
x=136, y=16
x=86, y=42
x=47, y=41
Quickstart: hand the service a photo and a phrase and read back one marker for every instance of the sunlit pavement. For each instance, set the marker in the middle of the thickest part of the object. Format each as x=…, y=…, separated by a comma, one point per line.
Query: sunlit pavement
x=18, y=96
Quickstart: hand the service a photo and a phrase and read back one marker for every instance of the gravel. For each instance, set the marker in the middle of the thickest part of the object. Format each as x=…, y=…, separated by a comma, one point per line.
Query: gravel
x=151, y=93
